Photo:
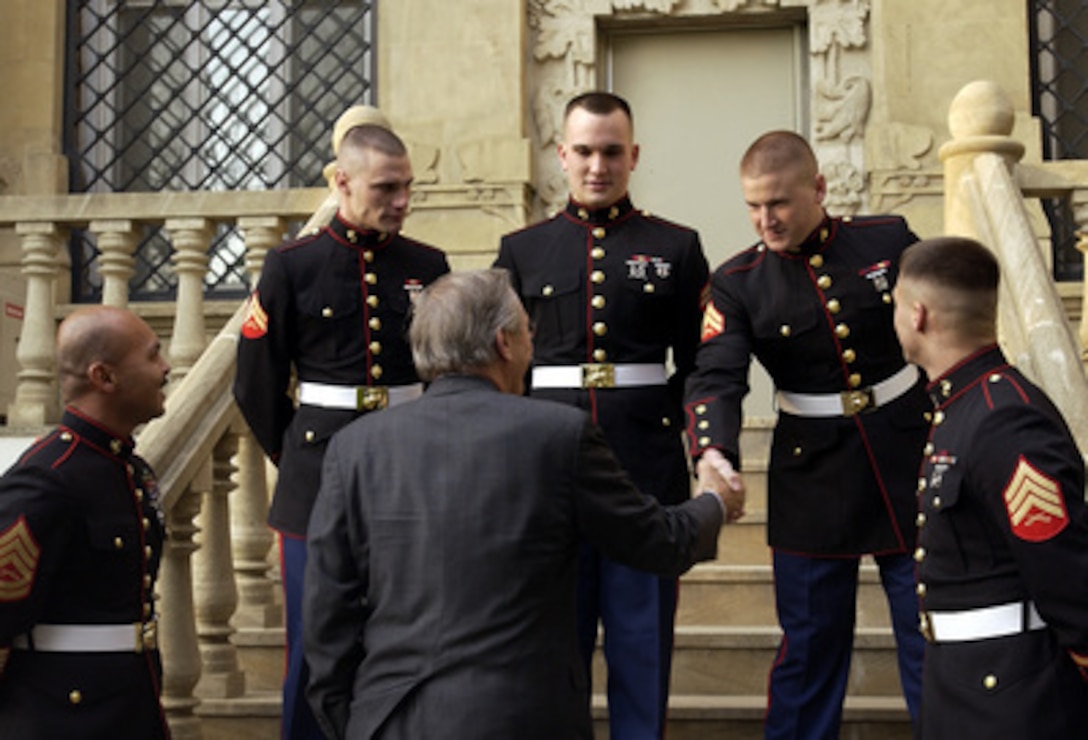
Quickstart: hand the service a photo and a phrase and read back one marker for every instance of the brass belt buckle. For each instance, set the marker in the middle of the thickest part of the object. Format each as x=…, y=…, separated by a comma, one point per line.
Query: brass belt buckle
x=925, y=626
x=598, y=375
x=854, y=402
x=371, y=397
x=147, y=636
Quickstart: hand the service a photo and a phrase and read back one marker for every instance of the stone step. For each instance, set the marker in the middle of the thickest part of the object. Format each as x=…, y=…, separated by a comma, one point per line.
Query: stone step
x=717, y=594
x=744, y=543
x=735, y=661
x=696, y=717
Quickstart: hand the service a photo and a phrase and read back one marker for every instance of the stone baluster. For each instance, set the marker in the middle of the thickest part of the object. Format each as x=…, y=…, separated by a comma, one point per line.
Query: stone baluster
x=116, y=243
x=1079, y=202
x=35, y=402
x=177, y=621
x=261, y=234
x=190, y=237
x=213, y=586
x=252, y=538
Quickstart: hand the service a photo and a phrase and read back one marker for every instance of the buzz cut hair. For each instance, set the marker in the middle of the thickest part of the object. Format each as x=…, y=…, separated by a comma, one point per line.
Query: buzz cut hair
x=599, y=103
x=779, y=150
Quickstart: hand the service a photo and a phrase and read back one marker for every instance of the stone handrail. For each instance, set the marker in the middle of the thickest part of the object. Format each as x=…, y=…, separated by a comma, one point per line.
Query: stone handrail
x=985, y=185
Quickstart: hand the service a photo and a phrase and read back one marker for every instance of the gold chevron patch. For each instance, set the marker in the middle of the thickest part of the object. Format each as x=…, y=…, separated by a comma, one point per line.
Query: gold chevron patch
x=1034, y=503
x=19, y=555
x=256, y=323
x=713, y=322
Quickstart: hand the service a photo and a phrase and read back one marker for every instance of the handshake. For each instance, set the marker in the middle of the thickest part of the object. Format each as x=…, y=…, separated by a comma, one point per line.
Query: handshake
x=716, y=474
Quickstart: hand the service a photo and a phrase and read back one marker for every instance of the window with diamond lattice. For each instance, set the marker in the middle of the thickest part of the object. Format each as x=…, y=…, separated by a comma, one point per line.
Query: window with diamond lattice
x=1059, y=37
x=205, y=95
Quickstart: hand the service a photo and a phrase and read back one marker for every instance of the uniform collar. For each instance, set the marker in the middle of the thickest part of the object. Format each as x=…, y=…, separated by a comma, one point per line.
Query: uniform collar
x=358, y=236
x=818, y=239
x=617, y=210
x=967, y=372
x=96, y=434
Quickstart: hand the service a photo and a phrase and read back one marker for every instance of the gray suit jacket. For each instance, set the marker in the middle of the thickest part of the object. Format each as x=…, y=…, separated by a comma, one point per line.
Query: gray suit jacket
x=440, y=584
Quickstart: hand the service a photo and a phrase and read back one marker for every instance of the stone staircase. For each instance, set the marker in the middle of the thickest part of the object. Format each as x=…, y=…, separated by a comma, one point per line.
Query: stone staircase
x=726, y=638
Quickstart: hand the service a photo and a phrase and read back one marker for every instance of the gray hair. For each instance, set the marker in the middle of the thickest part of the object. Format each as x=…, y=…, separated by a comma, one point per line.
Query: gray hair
x=456, y=318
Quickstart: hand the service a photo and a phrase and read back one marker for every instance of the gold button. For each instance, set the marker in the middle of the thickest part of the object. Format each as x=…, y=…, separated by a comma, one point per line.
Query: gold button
x=936, y=502
x=147, y=551
x=855, y=380
x=599, y=355
x=995, y=378
x=598, y=301
x=118, y=543
x=598, y=233
x=666, y=421
x=938, y=418
x=147, y=610
x=326, y=312
x=352, y=236
x=376, y=372
x=833, y=306
x=375, y=324
x=368, y=255
x=919, y=554
x=600, y=328
x=848, y=356
x=139, y=494
x=816, y=260
x=75, y=696
x=146, y=523
x=887, y=298
x=309, y=436
x=797, y=451
x=920, y=589
x=65, y=436
x=371, y=278
x=842, y=331
x=131, y=470
x=920, y=520
x=785, y=330
x=921, y=484
x=597, y=276
x=372, y=301
x=647, y=287
x=928, y=449
x=928, y=416
x=703, y=425
x=824, y=281
x=990, y=682
x=547, y=290
x=583, y=214
x=147, y=580
x=704, y=441
x=375, y=348
x=597, y=253
x=701, y=408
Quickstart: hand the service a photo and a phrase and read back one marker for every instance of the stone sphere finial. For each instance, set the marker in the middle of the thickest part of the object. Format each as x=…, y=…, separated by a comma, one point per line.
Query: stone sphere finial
x=981, y=108
x=356, y=115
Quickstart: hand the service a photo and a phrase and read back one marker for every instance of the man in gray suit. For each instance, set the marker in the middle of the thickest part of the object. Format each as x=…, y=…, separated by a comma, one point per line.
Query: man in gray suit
x=443, y=545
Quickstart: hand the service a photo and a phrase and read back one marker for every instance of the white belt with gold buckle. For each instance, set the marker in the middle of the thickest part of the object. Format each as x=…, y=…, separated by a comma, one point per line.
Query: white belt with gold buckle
x=981, y=624
x=599, y=375
x=89, y=638
x=852, y=402
x=356, y=397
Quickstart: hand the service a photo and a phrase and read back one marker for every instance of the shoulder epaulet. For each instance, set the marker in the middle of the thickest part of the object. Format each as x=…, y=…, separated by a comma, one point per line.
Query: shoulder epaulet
x=1005, y=387
x=52, y=449
x=743, y=261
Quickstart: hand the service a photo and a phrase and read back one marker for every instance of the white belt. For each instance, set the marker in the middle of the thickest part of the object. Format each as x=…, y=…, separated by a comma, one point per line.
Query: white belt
x=356, y=397
x=981, y=624
x=849, y=403
x=598, y=375
x=89, y=638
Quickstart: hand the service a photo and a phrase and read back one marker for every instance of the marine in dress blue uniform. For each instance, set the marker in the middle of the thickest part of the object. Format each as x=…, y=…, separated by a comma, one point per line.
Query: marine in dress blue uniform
x=611, y=290
x=332, y=309
x=1002, y=545
x=815, y=308
x=81, y=538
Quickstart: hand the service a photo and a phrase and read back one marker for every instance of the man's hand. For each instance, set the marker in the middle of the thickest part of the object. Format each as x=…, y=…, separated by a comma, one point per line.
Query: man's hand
x=716, y=474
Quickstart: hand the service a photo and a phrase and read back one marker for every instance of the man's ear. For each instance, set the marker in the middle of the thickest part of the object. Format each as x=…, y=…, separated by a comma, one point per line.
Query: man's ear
x=919, y=317
x=502, y=345
x=101, y=376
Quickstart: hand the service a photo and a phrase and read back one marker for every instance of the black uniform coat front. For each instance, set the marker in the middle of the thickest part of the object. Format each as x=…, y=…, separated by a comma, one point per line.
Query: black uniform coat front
x=81, y=537
x=333, y=307
x=617, y=285
x=820, y=322
x=440, y=584
x=1004, y=521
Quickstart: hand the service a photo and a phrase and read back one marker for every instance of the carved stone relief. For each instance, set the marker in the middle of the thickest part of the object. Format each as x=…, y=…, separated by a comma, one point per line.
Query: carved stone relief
x=563, y=44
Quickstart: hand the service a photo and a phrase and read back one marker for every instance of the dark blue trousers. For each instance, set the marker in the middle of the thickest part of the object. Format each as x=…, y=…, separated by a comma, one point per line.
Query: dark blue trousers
x=816, y=599
x=298, y=722
x=636, y=611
